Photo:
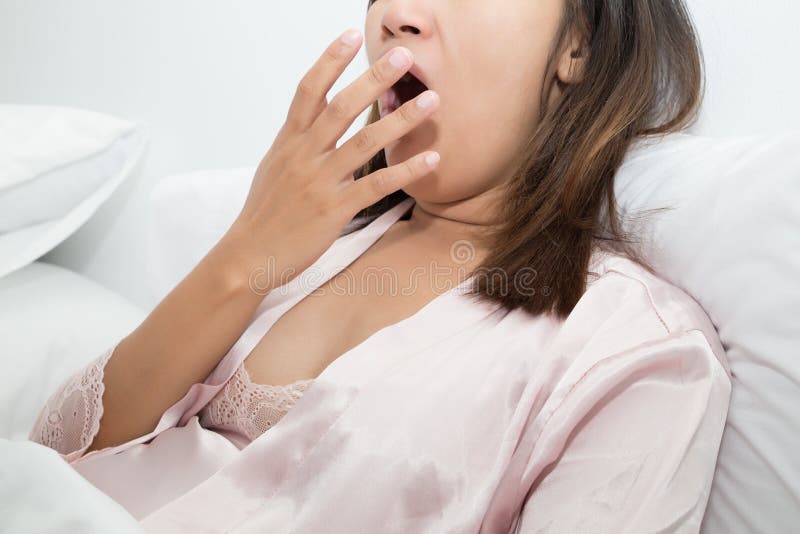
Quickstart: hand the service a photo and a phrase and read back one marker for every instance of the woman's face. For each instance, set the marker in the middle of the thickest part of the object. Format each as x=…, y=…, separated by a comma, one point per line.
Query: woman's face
x=486, y=60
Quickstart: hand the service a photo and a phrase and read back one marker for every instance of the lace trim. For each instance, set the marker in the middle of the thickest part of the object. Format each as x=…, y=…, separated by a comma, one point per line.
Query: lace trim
x=249, y=408
x=71, y=416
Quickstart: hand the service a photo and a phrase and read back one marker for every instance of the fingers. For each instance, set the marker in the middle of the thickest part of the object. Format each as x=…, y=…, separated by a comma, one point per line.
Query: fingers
x=343, y=109
x=310, y=96
x=370, y=189
x=361, y=147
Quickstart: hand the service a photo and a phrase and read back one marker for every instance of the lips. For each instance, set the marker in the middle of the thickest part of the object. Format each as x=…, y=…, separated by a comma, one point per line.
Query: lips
x=419, y=74
x=403, y=90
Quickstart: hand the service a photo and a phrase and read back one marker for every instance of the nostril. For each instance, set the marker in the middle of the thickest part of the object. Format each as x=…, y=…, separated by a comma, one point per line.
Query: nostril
x=413, y=30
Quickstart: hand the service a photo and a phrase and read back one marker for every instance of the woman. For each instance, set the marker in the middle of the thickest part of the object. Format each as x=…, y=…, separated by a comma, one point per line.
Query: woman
x=558, y=385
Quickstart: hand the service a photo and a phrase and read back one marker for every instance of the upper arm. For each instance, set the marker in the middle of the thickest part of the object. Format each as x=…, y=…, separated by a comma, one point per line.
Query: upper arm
x=632, y=446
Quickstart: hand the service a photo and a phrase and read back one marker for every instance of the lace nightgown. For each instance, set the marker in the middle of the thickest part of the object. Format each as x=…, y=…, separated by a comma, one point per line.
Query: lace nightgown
x=242, y=410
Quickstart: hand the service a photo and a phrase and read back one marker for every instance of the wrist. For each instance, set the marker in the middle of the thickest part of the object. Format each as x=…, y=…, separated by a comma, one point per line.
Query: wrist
x=241, y=262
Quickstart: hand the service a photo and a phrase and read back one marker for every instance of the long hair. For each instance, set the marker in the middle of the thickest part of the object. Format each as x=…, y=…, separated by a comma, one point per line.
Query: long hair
x=643, y=77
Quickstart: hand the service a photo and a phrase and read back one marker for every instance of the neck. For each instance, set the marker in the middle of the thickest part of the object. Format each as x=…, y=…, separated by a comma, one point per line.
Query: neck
x=441, y=225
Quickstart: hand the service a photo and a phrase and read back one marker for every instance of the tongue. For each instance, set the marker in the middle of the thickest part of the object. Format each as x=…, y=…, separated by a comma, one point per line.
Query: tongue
x=389, y=101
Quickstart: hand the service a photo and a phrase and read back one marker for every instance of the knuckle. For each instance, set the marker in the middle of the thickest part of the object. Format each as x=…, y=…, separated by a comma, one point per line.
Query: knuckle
x=365, y=140
x=323, y=206
x=315, y=203
x=306, y=88
x=380, y=184
x=332, y=54
x=295, y=142
x=294, y=124
x=338, y=108
x=411, y=168
x=405, y=115
x=377, y=76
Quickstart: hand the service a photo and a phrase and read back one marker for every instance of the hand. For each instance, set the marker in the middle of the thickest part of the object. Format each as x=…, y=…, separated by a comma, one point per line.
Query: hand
x=304, y=192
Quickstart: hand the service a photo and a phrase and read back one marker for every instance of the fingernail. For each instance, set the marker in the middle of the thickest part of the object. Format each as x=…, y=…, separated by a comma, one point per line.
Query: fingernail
x=432, y=159
x=426, y=100
x=400, y=58
x=350, y=37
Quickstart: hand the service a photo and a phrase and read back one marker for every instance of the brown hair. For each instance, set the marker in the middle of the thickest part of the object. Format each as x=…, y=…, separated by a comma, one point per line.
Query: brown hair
x=644, y=76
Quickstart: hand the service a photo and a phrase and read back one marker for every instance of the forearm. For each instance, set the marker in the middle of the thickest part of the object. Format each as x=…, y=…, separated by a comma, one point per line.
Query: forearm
x=179, y=343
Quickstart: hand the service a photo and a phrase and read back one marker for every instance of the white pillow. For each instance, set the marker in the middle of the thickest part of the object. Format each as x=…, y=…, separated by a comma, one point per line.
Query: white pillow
x=732, y=241
x=189, y=213
x=57, y=166
x=52, y=323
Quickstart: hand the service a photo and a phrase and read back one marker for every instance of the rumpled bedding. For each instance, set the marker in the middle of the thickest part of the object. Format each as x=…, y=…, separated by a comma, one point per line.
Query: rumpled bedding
x=41, y=493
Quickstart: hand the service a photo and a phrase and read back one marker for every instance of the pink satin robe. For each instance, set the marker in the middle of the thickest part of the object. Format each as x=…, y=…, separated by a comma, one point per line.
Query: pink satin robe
x=460, y=418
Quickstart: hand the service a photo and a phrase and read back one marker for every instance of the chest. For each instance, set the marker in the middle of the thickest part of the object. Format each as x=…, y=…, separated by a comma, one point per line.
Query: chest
x=336, y=317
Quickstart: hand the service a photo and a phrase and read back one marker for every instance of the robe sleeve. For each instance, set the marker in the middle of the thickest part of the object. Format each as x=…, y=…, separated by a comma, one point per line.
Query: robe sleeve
x=632, y=445
x=70, y=419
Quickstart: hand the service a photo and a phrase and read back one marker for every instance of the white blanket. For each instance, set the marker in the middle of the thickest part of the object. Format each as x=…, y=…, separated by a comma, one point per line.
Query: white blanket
x=40, y=492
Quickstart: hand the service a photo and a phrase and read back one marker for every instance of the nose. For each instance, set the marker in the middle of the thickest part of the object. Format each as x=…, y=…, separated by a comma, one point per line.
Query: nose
x=405, y=18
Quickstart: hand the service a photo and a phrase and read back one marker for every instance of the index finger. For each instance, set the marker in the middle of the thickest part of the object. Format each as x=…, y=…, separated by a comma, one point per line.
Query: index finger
x=310, y=96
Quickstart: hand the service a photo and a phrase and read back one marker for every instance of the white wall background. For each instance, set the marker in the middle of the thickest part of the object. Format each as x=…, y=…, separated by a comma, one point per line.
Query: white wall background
x=214, y=80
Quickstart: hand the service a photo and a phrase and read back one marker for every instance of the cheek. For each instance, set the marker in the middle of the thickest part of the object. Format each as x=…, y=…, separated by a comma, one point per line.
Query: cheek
x=476, y=130
x=486, y=128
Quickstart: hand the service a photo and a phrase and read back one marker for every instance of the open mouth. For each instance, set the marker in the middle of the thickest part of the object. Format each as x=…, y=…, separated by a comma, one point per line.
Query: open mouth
x=406, y=88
